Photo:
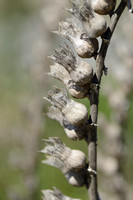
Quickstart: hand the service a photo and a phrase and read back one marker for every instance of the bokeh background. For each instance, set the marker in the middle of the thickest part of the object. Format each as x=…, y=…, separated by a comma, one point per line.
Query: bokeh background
x=25, y=41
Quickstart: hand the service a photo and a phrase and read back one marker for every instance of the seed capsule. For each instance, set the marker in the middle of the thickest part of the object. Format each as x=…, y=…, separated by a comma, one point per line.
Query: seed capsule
x=103, y=7
x=93, y=24
x=85, y=48
x=72, y=159
x=77, y=179
x=72, y=163
x=75, y=90
x=73, y=132
x=81, y=72
x=74, y=112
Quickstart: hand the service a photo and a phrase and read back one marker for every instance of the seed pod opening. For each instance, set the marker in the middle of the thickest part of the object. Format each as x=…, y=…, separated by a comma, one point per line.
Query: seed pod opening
x=85, y=48
x=74, y=112
x=103, y=7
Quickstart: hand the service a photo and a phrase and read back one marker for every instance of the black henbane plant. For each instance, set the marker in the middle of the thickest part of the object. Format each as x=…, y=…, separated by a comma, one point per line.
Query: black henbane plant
x=80, y=80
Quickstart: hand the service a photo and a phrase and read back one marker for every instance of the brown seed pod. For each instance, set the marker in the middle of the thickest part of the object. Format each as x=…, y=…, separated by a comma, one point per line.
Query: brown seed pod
x=75, y=113
x=103, y=7
x=73, y=132
x=85, y=48
x=81, y=72
x=93, y=24
x=75, y=90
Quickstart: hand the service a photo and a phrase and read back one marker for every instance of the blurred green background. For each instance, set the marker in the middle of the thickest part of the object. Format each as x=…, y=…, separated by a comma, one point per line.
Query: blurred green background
x=25, y=42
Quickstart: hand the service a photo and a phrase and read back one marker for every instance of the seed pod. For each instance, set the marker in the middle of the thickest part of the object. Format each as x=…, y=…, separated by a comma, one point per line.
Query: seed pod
x=103, y=7
x=78, y=91
x=75, y=90
x=73, y=132
x=72, y=163
x=93, y=24
x=55, y=195
x=85, y=48
x=74, y=112
x=81, y=72
x=72, y=159
x=77, y=179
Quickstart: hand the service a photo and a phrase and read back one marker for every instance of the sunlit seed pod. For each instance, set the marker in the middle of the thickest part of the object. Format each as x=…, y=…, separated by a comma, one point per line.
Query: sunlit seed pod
x=103, y=7
x=81, y=72
x=76, y=159
x=72, y=159
x=74, y=112
x=73, y=132
x=85, y=48
x=93, y=24
x=75, y=90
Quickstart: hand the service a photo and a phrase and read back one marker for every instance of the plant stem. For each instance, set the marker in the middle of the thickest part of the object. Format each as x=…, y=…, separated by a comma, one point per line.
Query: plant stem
x=94, y=100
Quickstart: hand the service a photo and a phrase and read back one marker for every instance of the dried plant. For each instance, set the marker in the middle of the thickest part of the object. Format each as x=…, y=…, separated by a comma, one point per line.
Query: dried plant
x=81, y=80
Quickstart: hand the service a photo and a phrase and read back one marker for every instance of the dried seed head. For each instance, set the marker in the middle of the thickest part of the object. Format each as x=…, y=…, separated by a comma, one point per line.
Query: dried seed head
x=80, y=71
x=75, y=90
x=74, y=112
x=55, y=195
x=73, y=132
x=85, y=48
x=93, y=24
x=103, y=7
x=75, y=178
x=72, y=163
x=55, y=148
